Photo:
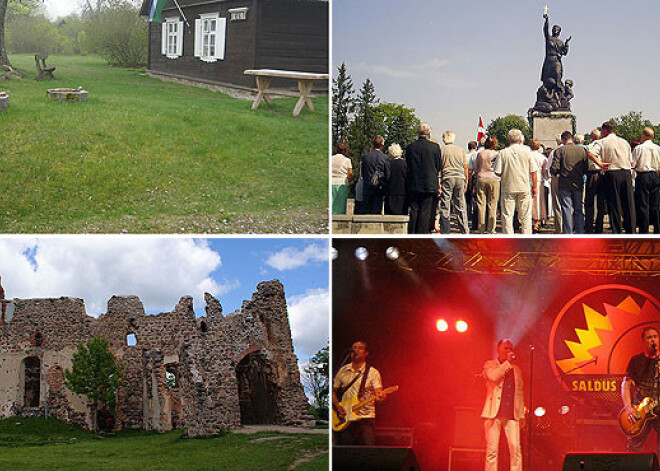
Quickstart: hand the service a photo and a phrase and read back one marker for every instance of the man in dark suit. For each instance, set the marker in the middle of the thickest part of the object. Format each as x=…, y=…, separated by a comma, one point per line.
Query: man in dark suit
x=372, y=162
x=423, y=162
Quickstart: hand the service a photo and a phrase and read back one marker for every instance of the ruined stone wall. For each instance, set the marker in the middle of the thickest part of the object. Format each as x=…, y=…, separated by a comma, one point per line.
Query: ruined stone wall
x=182, y=371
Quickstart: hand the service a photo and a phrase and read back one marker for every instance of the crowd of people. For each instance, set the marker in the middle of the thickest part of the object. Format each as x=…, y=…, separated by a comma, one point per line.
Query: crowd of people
x=572, y=186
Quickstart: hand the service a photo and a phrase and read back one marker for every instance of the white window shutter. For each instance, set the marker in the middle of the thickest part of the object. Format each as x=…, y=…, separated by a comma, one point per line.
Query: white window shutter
x=163, y=38
x=220, y=34
x=179, y=40
x=198, y=38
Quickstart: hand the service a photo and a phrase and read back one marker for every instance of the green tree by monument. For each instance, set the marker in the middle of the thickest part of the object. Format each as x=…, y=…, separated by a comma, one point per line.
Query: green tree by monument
x=343, y=103
x=365, y=126
x=500, y=127
x=400, y=123
x=629, y=126
x=95, y=373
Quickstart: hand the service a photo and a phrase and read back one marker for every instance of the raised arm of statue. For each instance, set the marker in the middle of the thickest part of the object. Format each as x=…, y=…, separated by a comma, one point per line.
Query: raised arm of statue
x=546, y=27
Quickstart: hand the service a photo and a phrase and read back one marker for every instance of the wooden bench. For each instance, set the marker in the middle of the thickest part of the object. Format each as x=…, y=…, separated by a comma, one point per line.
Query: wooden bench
x=305, y=83
x=43, y=70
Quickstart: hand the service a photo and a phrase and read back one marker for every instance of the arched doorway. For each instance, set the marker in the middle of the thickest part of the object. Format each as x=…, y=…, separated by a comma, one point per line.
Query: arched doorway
x=32, y=386
x=257, y=393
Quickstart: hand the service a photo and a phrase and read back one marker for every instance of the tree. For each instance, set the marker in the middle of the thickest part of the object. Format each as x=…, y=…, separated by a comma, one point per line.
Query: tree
x=342, y=104
x=365, y=125
x=118, y=34
x=95, y=373
x=316, y=378
x=629, y=126
x=398, y=122
x=500, y=127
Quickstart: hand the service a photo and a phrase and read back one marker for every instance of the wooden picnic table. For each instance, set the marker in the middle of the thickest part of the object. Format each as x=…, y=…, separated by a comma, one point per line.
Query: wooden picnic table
x=305, y=83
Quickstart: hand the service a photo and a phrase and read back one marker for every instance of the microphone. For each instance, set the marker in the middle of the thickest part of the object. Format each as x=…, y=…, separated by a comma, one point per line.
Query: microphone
x=512, y=356
x=654, y=346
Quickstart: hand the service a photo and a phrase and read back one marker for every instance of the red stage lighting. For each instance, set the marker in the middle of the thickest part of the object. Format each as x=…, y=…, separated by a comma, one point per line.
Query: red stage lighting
x=461, y=326
x=539, y=411
x=442, y=325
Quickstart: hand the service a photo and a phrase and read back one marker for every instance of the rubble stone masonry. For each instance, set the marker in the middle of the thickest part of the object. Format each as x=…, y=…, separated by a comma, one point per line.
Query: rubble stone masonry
x=202, y=374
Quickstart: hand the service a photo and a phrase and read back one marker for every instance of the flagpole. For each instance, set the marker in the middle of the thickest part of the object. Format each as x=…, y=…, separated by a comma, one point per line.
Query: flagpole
x=181, y=11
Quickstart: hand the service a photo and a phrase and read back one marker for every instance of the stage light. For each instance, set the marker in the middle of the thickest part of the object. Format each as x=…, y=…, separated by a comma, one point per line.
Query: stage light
x=361, y=253
x=392, y=253
x=442, y=325
x=461, y=326
x=335, y=253
x=563, y=410
x=539, y=411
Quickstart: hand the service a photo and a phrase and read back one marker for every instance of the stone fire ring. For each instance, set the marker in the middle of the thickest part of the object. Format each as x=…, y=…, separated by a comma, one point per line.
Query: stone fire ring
x=68, y=94
x=4, y=101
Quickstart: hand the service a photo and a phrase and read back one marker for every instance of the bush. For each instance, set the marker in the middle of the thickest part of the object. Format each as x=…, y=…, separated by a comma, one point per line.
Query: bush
x=33, y=34
x=119, y=35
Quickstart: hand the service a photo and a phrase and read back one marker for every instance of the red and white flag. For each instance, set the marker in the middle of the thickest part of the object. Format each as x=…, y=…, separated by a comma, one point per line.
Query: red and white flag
x=480, y=130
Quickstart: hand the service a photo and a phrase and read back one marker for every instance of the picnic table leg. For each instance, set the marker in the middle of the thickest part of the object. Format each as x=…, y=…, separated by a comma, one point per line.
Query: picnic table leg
x=262, y=85
x=305, y=88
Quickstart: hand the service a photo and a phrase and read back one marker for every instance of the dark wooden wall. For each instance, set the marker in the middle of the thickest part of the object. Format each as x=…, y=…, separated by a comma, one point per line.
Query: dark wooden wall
x=278, y=34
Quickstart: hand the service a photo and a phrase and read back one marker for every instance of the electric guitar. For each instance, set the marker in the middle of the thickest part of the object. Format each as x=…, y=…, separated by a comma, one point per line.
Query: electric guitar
x=644, y=414
x=352, y=404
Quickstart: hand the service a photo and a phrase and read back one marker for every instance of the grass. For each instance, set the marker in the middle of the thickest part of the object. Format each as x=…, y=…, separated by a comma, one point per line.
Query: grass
x=146, y=156
x=39, y=444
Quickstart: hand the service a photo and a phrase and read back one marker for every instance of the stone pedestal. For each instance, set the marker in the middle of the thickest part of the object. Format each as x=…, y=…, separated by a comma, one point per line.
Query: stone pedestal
x=545, y=126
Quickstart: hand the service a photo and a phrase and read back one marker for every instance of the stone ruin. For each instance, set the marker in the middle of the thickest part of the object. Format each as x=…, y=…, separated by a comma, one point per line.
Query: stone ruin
x=201, y=374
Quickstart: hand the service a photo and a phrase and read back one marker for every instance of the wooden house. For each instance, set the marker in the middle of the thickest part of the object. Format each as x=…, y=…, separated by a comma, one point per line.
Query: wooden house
x=214, y=41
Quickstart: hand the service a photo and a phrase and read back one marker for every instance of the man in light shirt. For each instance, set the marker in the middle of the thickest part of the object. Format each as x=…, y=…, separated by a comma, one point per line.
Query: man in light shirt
x=646, y=163
x=594, y=194
x=357, y=379
x=517, y=170
x=453, y=185
x=618, y=179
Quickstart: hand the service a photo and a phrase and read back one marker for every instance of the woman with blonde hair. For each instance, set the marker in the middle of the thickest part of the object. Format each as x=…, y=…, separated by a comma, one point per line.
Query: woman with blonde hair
x=395, y=191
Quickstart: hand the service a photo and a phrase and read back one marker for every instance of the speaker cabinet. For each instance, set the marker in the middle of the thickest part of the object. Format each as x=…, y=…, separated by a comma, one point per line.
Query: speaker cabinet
x=610, y=462
x=373, y=458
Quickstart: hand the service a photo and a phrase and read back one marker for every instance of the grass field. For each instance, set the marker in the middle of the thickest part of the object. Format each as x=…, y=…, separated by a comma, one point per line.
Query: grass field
x=146, y=156
x=41, y=445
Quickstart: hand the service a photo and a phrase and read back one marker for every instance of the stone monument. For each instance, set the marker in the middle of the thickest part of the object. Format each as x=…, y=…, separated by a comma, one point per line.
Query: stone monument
x=551, y=114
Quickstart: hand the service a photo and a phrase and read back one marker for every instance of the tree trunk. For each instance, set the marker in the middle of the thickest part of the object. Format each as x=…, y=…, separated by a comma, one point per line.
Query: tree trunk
x=4, y=60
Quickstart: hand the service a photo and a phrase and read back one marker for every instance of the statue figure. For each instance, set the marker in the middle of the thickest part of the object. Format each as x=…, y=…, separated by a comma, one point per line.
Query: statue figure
x=555, y=48
x=554, y=94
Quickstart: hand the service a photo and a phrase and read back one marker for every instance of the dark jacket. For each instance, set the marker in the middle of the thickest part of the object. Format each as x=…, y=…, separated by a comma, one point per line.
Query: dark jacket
x=570, y=164
x=423, y=162
x=396, y=185
x=370, y=162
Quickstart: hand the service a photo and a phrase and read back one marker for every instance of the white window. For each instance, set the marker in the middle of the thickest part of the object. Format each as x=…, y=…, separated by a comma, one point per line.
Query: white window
x=210, y=31
x=172, y=40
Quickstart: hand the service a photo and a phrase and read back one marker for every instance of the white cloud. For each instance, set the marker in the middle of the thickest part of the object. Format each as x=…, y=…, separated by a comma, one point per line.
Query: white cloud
x=309, y=316
x=402, y=71
x=291, y=257
x=157, y=270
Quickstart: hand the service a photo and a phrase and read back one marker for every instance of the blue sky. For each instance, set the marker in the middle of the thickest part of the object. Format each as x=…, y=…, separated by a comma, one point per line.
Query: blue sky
x=453, y=61
x=159, y=270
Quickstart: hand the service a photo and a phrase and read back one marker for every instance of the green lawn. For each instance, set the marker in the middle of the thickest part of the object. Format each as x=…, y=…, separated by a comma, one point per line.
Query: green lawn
x=41, y=445
x=146, y=156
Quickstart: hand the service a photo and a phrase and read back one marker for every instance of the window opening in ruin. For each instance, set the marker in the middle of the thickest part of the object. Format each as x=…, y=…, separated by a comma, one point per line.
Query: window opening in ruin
x=38, y=339
x=171, y=375
x=131, y=340
x=32, y=381
x=204, y=327
x=257, y=392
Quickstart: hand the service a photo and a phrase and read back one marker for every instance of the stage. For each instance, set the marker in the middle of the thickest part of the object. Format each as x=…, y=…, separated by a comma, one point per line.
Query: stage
x=573, y=308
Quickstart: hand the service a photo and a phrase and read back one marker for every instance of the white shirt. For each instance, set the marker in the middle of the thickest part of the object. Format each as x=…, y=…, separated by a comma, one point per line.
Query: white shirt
x=346, y=374
x=646, y=157
x=515, y=166
x=614, y=150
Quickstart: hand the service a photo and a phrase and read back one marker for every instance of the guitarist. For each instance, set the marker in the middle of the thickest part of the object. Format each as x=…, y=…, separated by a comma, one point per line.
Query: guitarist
x=642, y=370
x=504, y=407
x=358, y=379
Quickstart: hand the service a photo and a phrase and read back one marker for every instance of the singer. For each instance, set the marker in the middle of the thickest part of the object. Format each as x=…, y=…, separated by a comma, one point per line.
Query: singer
x=504, y=407
x=642, y=374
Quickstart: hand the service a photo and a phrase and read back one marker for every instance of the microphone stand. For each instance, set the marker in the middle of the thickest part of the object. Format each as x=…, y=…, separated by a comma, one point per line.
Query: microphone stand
x=531, y=411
